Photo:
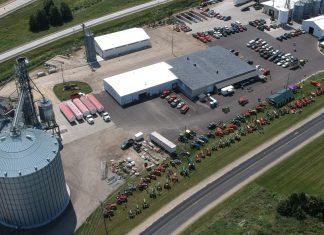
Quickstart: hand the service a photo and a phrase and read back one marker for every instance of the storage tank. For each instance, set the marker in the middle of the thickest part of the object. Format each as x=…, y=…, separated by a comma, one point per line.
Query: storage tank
x=298, y=11
x=283, y=16
x=316, y=7
x=33, y=191
x=45, y=108
x=307, y=8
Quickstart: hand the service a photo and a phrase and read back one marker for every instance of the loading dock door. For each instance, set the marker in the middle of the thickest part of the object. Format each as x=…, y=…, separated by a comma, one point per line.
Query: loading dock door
x=311, y=30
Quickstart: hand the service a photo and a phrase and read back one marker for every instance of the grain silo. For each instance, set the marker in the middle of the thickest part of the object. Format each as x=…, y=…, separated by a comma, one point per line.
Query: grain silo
x=308, y=6
x=298, y=12
x=32, y=184
x=316, y=7
x=45, y=108
x=322, y=7
x=89, y=44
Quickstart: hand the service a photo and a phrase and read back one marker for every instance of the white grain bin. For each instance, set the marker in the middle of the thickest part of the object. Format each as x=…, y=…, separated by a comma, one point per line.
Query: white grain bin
x=32, y=184
x=283, y=16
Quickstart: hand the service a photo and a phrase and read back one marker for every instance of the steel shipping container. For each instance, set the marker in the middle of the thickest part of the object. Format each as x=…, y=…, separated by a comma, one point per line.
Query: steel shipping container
x=81, y=107
x=88, y=104
x=67, y=112
x=95, y=102
x=77, y=113
x=163, y=142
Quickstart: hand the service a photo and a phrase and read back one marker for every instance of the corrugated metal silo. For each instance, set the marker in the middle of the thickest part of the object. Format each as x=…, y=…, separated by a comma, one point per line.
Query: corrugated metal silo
x=90, y=46
x=316, y=7
x=307, y=8
x=45, y=108
x=322, y=7
x=32, y=184
x=298, y=12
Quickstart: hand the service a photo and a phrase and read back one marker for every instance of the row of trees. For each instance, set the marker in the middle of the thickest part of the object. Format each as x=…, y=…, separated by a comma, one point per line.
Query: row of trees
x=299, y=205
x=50, y=15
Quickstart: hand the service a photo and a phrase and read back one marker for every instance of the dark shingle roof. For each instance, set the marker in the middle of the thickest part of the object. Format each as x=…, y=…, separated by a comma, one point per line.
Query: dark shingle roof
x=211, y=66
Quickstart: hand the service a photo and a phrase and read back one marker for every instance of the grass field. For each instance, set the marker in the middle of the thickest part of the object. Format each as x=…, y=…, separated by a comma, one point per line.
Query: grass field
x=63, y=95
x=253, y=209
x=67, y=45
x=17, y=24
x=120, y=223
x=3, y=1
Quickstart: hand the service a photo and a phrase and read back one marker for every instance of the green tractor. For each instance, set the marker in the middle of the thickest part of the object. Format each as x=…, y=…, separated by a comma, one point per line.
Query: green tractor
x=145, y=204
x=131, y=215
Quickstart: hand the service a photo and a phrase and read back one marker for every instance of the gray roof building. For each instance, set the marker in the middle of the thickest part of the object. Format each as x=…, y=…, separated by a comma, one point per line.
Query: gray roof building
x=216, y=66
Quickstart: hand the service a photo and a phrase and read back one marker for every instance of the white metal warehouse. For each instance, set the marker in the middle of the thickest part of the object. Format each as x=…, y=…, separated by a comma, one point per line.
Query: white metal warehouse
x=135, y=85
x=122, y=42
x=314, y=26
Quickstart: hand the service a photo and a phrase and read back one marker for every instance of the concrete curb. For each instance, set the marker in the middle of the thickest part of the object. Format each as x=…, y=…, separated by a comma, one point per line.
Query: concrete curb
x=140, y=228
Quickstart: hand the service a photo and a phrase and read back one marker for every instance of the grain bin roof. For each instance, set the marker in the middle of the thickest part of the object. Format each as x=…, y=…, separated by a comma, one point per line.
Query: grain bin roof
x=141, y=79
x=22, y=154
x=214, y=65
x=121, y=38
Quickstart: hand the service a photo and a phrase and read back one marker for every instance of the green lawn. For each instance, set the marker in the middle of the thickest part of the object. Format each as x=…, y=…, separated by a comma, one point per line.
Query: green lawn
x=3, y=1
x=62, y=94
x=16, y=24
x=253, y=209
x=67, y=45
x=120, y=223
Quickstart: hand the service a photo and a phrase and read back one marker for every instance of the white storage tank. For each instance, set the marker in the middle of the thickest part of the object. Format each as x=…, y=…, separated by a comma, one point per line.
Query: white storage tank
x=45, y=108
x=283, y=16
x=32, y=184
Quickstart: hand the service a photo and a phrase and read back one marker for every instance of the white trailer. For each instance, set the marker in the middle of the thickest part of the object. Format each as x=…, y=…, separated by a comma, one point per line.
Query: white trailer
x=163, y=142
x=139, y=136
x=227, y=90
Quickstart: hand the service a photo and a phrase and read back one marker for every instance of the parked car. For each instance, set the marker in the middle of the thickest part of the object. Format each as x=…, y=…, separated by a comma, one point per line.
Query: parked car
x=106, y=117
x=127, y=144
x=212, y=126
x=184, y=109
x=165, y=93
x=89, y=119
x=174, y=103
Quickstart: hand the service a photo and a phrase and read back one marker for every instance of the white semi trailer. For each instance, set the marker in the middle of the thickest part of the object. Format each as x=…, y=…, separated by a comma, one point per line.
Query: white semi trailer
x=163, y=142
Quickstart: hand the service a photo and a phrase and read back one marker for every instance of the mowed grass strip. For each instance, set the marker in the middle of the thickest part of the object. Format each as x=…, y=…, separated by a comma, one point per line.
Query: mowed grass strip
x=63, y=95
x=253, y=209
x=120, y=224
x=17, y=24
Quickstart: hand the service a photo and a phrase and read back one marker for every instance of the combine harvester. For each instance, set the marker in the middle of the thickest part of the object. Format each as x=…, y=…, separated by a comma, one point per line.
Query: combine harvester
x=84, y=110
x=96, y=103
x=77, y=113
x=67, y=112
x=88, y=104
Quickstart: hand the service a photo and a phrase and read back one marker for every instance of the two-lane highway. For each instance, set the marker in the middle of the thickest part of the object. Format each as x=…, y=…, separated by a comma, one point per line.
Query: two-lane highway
x=172, y=220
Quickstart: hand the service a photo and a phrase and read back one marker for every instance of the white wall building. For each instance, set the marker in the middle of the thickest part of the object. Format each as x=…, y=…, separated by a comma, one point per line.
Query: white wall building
x=138, y=84
x=314, y=26
x=122, y=42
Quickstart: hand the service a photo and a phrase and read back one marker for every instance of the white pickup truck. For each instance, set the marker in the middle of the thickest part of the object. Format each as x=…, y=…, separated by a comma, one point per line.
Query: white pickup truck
x=106, y=117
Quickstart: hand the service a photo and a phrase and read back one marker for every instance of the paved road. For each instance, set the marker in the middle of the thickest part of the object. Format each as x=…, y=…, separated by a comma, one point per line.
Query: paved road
x=12, y=6
x=64, y=33
x=181, y=213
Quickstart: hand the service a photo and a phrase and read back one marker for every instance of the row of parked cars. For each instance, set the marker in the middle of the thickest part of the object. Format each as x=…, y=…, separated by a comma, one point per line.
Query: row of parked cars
x=261, y=24
x=219, y=32
x=175, y=101
x=292, y=34
x=211, y=14
x=267, y=52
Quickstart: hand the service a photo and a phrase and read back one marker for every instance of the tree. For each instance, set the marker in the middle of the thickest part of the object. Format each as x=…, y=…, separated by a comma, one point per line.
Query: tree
x=47, y=5
x=284, y=208
x=55, y=17
x=33, y=24
x=300, y=214
x=66, y=12
x=42, y=20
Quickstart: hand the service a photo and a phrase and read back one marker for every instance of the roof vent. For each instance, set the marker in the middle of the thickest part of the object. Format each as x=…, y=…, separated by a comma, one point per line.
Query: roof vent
x=3, y=138
x=48, y=159
x=19, y=173
x=5, y=174
x=217, y=72
x=54, y=151
x=35, y=168
x=195, y=65
x=187, y=58
x=29, y=137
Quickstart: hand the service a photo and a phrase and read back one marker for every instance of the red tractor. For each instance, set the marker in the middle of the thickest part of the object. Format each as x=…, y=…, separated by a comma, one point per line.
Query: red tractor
x=111, y=206
x=121, y=199
x=243, y=101
x=316, y=83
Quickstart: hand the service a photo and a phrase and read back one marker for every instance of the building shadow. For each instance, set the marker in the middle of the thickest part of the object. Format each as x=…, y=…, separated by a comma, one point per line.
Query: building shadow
x=65, y=224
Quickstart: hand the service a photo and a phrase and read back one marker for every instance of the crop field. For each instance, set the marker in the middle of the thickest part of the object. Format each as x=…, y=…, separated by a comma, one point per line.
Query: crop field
x=121, y=224
x=253, y=209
